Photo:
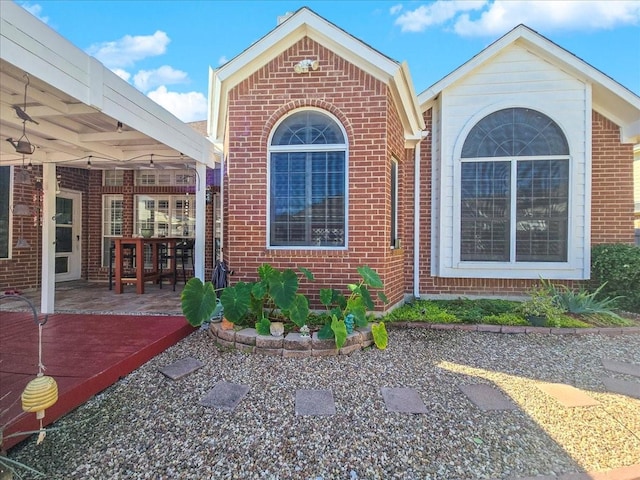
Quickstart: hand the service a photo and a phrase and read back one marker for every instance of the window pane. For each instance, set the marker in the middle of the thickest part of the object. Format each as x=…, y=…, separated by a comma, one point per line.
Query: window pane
x=485, y=211
x=308, y=128
x=542, y=213
x=515, y=132
x=307, y=199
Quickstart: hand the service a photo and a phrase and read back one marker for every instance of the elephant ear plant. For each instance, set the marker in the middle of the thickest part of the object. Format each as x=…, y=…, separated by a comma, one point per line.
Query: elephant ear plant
x=199, y=302
x=274, y=291
x=345, y=310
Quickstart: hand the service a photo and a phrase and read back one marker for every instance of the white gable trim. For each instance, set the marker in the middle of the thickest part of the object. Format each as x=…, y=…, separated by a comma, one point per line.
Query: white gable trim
x=305, y=23
x=609, y=97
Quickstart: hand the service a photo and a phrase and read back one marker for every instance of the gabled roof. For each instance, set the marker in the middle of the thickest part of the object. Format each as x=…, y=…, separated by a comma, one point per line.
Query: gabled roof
x=306, y=23
x=610, y=98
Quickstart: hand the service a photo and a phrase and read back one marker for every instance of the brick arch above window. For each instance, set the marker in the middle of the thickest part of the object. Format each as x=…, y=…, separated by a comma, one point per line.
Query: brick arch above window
x=290, y=107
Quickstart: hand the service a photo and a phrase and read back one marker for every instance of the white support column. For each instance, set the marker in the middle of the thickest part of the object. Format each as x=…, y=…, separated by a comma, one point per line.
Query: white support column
x=201, y=222
x=48, y=273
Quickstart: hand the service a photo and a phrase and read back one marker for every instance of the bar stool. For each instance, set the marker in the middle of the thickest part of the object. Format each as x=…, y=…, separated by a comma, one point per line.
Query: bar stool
x=168, y=258
x=184, y=252
x=129, y=253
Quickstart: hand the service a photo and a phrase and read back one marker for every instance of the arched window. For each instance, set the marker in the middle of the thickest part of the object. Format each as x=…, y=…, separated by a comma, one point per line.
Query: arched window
x=307, y=175
x=514, y=189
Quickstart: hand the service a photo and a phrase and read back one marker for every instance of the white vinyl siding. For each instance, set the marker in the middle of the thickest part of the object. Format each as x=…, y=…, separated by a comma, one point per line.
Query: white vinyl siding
x=514, y=78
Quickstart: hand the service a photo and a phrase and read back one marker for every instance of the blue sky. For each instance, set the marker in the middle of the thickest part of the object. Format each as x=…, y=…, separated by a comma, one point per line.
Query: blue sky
x=165, y=48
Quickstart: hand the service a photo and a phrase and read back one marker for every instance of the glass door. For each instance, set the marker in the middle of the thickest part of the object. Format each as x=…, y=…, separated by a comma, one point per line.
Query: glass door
x=68, y=236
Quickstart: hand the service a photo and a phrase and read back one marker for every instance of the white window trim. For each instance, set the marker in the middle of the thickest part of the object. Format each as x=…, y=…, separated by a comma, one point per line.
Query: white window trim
x=450, y=265
x=308, y=148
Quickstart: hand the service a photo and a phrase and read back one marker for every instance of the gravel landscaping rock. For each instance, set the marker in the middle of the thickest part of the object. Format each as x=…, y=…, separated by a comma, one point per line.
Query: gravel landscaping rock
x=148, y=426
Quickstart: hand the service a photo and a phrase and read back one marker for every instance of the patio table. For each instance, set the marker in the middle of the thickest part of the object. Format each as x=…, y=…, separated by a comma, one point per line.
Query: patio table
x=142, y=275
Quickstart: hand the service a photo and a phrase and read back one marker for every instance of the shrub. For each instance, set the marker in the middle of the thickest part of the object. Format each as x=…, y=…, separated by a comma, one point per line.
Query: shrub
x=617, y=267
x=580, y=302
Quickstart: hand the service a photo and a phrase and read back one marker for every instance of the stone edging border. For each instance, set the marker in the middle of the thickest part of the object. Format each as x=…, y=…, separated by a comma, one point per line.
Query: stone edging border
x=294, y=345
x=291, y=345
x=515, y=329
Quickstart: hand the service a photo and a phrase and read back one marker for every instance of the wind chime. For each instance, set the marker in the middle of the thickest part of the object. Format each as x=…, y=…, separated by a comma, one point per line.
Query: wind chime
x=41, y=392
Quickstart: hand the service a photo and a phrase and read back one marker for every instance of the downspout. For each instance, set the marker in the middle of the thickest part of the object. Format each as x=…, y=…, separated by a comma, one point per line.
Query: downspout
x=416, y=216
x=222, y=167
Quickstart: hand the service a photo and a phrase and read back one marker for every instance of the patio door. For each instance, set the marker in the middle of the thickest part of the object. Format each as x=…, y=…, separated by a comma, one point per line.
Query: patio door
x=68, y=235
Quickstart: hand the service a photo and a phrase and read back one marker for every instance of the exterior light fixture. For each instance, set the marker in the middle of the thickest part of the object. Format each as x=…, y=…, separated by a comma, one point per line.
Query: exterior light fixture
x=119, y=127
x=303, y=66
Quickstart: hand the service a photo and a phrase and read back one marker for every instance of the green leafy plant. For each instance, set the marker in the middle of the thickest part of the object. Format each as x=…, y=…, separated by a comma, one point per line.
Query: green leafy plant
x=357, y=304
x=581, y=302
x=263, y=326
x=541, y=304
x=615, y=272
x=505, y=319
x=199, y=302
x=380, y=337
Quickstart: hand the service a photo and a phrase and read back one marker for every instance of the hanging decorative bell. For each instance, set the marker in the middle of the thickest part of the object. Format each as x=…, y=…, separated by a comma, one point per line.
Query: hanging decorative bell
x=39, y=394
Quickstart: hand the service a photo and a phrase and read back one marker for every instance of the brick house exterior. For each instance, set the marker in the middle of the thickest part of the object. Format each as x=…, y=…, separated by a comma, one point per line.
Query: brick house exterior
x=402, y=163
x=260, y=88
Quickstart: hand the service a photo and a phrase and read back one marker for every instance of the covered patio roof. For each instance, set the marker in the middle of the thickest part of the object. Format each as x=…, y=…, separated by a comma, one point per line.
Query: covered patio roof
x=78, y=104
x=74, y=106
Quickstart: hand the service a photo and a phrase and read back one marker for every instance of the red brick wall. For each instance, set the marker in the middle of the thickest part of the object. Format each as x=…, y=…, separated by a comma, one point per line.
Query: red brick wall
x=22, y=271
x=612, y=211
x=362, y=104
x=612, y=180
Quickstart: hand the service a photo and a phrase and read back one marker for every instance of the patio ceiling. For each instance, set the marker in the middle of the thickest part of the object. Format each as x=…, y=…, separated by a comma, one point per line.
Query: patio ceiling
x=78, y=103
x=69, y=132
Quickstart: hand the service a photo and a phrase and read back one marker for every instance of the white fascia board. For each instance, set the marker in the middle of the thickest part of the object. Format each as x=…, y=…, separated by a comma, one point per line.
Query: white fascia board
x=31, y=46
x=307, y=23
x=406, y=101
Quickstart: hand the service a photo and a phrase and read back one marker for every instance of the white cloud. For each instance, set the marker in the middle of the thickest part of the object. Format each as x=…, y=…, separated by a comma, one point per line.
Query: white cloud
x=395, y=9
x=35, y=10
x=147, y=79
x=502, y=16
x=491, y=18
x=436, y=13
x=188, y=107
x=123, y=74
x=130, y=49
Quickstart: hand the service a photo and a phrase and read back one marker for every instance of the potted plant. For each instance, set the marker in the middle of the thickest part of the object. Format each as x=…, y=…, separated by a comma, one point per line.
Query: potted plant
x=540, y=309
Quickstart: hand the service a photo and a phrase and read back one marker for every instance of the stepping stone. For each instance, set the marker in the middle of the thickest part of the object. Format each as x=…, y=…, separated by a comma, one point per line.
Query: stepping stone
x=315, y=402
x=622, y=367
x=567, y=395
x=486, y=397
x=181, y=368
x=623, y=387
x=403, y=400
x=225, y=396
